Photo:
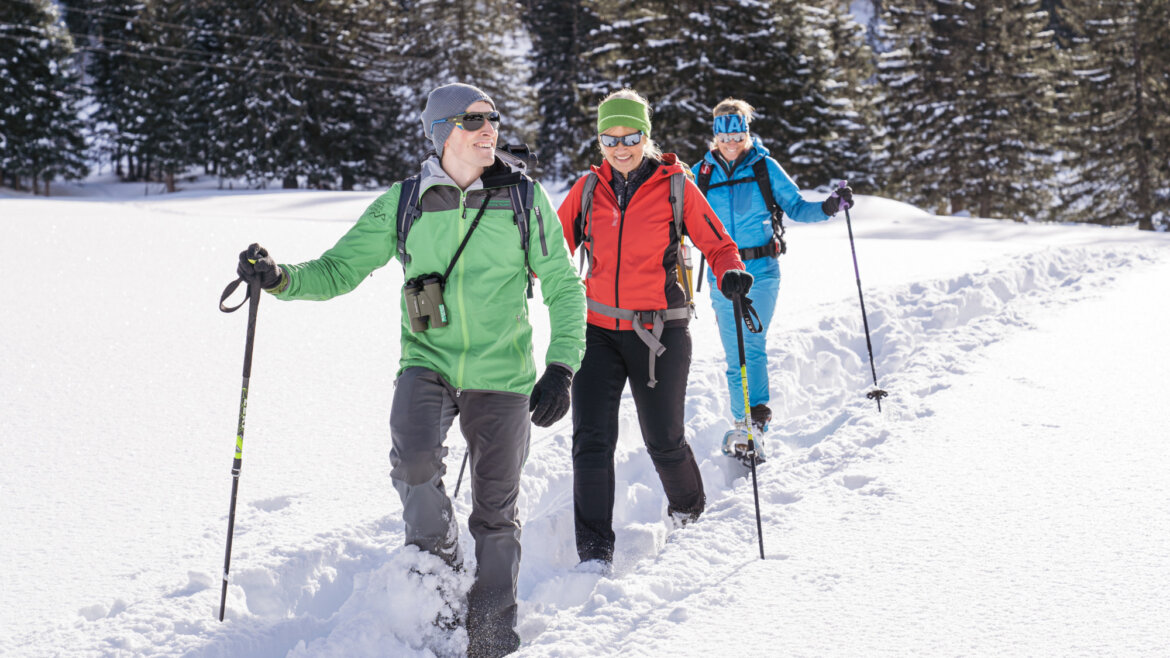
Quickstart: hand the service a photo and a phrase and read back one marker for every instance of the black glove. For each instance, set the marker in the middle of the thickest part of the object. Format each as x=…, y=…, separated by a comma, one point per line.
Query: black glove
x=550, y=397
x=257, y=266
x=735, y=282
x=842, y=197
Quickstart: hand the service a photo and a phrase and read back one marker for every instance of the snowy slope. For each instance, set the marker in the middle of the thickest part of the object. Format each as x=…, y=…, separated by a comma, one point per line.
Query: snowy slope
x=1011, y=499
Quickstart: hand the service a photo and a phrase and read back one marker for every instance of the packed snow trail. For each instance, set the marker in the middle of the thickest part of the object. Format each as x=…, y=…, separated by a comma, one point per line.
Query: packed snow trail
x=926, y=336
x=133, y=431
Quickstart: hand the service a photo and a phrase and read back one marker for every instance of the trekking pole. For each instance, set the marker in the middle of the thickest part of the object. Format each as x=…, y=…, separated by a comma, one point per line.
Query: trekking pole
x=253, y=299
x=876, y=394
x=740, y=320
x=461, y=469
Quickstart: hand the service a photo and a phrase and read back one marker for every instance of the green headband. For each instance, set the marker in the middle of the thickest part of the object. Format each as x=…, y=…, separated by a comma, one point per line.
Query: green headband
x=623, y=112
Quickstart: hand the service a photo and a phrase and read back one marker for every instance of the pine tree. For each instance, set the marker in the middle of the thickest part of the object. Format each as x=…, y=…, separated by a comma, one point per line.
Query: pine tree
x=687, y=56
x=40, y=130
x=1119, y=119
x=970, y=105
x=292, y=92
x=118, y=64
x=167, y=106
x=838, y=137
x=482, y=43
x=560, y=31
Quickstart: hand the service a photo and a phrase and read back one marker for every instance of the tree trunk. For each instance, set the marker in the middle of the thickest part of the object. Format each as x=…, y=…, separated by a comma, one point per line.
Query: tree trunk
x=957, y=205
x=347, y=181
x=170, y=180
x=289, y=182
x=1144, y=125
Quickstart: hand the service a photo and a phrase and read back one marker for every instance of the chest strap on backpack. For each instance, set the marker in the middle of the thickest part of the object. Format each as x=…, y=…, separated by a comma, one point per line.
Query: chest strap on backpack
x=763, y=180
x=770, y=250
x=638, y=319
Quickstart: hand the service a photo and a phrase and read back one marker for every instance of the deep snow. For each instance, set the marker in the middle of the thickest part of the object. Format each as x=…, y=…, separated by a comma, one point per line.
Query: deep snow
x=1011, y=499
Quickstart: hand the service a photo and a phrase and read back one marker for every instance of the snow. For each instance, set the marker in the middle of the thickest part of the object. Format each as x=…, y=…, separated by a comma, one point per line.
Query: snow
x=1009, y=500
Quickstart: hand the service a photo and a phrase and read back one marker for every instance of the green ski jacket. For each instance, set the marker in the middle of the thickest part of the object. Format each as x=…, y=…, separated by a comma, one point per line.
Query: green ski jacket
x=487, y=343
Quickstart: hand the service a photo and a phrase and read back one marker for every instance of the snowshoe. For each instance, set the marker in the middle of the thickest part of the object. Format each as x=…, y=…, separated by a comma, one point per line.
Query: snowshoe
x=735, y=443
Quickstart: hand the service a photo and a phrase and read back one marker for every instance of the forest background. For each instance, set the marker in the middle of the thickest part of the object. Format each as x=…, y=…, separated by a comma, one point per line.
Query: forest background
x=1047, y=110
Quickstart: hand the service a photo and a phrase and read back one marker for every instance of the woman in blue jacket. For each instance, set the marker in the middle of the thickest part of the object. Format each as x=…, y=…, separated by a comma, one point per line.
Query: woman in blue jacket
x=735, y=175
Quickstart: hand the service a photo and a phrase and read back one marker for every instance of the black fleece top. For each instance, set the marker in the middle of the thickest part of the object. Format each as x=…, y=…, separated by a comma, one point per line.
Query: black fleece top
x=624, y=187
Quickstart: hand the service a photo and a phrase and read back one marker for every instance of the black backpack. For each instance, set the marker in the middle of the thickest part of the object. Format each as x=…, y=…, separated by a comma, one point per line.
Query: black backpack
x=763, y=180
x=522, y=192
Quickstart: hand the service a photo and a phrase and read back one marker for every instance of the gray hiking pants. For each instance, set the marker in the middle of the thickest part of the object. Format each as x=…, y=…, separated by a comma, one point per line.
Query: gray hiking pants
x=496, y=427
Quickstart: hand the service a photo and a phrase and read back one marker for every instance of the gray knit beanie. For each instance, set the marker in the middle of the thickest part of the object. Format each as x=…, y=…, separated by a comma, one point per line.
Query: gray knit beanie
x=447, y=101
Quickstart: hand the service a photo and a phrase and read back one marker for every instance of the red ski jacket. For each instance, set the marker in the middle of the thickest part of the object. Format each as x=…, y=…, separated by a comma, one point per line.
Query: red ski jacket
x=633, y=256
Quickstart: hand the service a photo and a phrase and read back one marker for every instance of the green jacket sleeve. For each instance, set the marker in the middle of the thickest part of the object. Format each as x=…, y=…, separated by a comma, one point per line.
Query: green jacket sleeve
x=368, y=245
x=560, y=287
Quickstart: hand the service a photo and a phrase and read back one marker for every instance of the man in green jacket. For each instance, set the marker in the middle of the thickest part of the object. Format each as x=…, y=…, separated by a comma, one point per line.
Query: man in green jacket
x=466, y=340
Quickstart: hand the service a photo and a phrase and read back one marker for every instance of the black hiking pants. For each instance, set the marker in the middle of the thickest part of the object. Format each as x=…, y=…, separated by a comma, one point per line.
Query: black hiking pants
x=497, y=427
x=613, y=358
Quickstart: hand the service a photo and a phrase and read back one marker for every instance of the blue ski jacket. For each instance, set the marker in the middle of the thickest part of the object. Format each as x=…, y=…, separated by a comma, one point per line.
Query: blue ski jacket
x=741, y=207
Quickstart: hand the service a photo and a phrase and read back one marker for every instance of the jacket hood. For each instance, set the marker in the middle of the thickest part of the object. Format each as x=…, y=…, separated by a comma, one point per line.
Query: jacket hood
x=506, y=170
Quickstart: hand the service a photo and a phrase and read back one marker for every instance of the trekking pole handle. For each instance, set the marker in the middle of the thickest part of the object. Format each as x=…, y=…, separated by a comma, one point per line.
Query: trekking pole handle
x=844, y=204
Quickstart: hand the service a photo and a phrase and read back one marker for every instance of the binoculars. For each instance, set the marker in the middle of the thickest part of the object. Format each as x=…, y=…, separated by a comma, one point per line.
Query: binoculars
x=424, y=302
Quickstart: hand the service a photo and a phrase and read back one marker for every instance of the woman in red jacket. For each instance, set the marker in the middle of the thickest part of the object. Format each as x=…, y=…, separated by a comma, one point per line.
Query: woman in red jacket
x=622, y=214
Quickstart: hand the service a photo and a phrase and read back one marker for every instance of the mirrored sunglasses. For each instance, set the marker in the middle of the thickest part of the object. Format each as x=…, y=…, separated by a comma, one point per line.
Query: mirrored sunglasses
x=731, y=137
x=628, y=140
x=471, y=120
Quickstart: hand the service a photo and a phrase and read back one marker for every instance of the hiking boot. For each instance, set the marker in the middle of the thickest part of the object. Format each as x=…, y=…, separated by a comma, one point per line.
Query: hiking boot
x=681, y=518
x=595, y=566
x=446, y=582
x=761, y=416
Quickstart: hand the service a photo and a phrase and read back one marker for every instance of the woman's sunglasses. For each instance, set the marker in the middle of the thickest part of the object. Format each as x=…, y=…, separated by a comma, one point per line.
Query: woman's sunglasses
x=471, y=120
x=731, y=137
x=628, y=140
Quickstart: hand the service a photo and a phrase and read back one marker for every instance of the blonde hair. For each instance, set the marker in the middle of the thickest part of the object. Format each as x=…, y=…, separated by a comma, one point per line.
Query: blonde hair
x=731, y=105
x=651, y=149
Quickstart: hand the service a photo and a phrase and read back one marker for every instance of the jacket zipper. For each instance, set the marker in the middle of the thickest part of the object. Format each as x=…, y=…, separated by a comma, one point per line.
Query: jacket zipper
x=459, y=292
x=712, y=225
x=540, y=227
x=617, y=277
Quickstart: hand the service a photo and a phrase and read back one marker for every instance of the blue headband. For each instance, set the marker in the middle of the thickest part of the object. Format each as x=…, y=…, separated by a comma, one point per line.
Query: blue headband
x=730, y=123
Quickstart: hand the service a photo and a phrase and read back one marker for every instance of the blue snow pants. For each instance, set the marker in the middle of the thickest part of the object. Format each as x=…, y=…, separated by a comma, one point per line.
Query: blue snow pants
x=765, y=288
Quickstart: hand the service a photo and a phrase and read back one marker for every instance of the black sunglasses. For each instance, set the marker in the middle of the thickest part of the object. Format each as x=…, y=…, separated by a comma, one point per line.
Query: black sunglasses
x=627, y=140
x=471, y=120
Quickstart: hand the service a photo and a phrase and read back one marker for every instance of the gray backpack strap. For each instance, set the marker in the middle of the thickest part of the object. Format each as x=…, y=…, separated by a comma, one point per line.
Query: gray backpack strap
x=523, y=206
x=638, y=319
x=586, y=221
x=678, y=183
x=523, y=195
x=408, y=211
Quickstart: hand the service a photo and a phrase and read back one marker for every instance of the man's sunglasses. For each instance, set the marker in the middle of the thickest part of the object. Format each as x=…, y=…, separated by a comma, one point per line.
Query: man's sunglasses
x=628, y=140
x=471, y=120
x=731, y=137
